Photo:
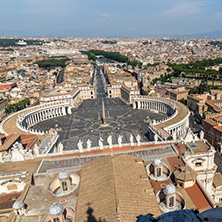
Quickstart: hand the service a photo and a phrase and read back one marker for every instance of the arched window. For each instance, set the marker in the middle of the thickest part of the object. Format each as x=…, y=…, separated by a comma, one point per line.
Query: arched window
x=56, y=219
x=171, y=202
x=64, y=186
x=158, y=172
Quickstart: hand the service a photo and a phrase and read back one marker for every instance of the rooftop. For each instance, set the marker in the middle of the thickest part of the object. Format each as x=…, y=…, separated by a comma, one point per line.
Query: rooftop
x=123, y=181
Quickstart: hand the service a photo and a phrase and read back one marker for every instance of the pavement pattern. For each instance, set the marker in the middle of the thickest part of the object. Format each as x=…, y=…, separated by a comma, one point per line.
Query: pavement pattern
x=85, y=122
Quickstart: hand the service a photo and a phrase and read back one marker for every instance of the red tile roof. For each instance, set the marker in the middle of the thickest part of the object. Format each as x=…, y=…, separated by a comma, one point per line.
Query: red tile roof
x=198, y=197
x=7, y=200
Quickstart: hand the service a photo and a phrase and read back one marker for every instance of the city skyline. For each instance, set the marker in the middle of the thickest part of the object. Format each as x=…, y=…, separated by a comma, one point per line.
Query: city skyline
x=96, y=18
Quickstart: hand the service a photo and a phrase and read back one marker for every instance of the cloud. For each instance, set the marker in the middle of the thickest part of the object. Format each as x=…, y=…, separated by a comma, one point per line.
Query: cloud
x=184, y=9
x=105, y=15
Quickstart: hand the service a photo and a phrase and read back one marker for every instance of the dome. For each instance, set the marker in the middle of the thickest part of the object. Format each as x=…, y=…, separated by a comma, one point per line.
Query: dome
x=17, y=205
x=170, y=189
x=157, y=162
x=64, y=174
x=56, y=209
x=185, y=173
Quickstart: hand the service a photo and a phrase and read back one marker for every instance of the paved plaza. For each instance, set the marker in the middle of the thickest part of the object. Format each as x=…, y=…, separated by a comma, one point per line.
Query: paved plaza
x=85, y=122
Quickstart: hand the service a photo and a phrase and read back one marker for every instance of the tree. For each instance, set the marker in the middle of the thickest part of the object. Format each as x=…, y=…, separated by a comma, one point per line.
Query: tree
x=168, y=70
x=183, y=101
x=140, y=65
x=118, y=66
x=17, y=106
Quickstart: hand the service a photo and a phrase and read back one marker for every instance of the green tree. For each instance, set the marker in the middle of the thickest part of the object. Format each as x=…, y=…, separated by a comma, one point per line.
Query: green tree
x=183, y=101
x=168, y=70
x=140, y=65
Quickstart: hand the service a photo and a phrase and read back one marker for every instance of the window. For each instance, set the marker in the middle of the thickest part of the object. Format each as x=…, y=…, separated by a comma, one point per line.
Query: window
x=158, y=172
x=220, y=199
x=56, y=219
x=171, y=202
x=64, y=186
x=198, y=164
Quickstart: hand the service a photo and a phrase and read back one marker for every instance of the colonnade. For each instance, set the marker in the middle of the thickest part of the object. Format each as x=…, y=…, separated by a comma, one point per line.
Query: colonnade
x=159, y=106
x=177, y=130
x=30, y=119
x=168, y=107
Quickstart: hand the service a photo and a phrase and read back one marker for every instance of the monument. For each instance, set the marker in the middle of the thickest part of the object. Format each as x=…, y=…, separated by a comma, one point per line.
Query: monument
x=131, y=140
x=103, y=114
x=101, y=143
x=109, y=141
x=89, y=144
x=80, y=147
x=120, y=140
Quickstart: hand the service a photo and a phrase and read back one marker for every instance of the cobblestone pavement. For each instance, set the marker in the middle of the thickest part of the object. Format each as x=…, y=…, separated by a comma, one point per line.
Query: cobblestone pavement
x=85, y=122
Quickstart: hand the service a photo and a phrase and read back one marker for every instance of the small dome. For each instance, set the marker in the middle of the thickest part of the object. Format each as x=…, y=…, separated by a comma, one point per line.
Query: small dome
x=17, y=205
x=56, y=209
x=157, y=162
x=170, y=189
x=64, y=174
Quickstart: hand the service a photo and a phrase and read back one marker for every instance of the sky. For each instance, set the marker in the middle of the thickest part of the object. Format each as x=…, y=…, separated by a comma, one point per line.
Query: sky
x=109, y=18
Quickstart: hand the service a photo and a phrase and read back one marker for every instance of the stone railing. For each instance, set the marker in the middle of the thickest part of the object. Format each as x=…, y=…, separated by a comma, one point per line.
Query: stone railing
x=166, y=119
x=106, y=147
x=157, y=132
x=184, y=120
x=167, y=102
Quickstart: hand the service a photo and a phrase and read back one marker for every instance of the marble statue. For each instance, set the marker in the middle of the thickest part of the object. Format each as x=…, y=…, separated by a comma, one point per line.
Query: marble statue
x=120, y=139
x=89, y=144
x=131, y=140
x=80, y=147
x=8, y=156
x=60, y=147
x=17, y=155
x=36, y=149
x=109, y=141
x=201, y=134
x=28, y=155
x=155, y=138
x=101, y=143
x=19, y=147
x=138, y=138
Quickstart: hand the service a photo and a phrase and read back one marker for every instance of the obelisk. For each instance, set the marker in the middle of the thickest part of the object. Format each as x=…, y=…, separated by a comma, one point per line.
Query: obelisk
x=103, y=112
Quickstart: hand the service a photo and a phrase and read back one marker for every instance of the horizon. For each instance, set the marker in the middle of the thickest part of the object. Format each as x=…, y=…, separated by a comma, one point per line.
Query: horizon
x=212, y=35
x=93, y=18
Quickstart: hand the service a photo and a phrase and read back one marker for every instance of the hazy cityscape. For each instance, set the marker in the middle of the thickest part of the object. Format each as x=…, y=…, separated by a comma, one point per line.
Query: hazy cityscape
x=111, y=111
